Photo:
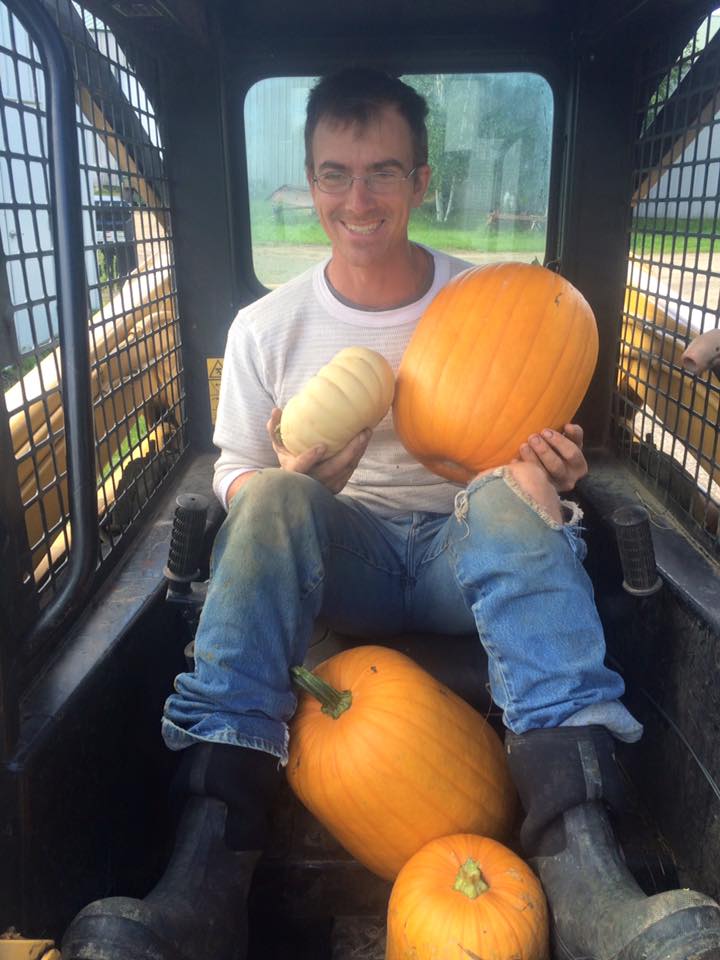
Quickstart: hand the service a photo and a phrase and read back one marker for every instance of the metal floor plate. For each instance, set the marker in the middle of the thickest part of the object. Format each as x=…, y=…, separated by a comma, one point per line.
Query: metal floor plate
x=358, y=938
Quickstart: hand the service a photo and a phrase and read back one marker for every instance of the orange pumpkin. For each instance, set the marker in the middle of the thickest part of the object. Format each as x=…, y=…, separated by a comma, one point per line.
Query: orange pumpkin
x=501, y=352
x=389, y=758
x=467, y=896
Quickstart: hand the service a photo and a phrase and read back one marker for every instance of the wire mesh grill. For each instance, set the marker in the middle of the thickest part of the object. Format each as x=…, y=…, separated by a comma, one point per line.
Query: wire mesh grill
x=665, y=418
x=136, y=371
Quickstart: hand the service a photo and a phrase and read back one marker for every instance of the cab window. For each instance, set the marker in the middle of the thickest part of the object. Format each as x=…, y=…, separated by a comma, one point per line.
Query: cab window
x=490, y=138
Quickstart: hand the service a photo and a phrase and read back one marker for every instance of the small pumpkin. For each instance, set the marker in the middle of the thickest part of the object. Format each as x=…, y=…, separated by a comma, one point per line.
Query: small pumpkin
x=388, y=758
x=501, y=352
x=350, y=393
x=467, y=896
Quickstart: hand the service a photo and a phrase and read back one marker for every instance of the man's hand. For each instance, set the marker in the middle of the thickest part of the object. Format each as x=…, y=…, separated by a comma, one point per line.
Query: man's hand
x=560, y=455
x=334, y=472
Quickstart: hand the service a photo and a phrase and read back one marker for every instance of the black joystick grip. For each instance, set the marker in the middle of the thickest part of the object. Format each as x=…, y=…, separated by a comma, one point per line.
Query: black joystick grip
x=637, y=554
x=186, y=539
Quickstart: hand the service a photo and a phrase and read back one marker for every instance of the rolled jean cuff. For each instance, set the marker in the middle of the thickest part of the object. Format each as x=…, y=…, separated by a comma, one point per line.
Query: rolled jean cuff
x=612, y=715
x=178, y=739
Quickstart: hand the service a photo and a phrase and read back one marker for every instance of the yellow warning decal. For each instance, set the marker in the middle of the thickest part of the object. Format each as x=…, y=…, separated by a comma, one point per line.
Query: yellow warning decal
x=214, y=372
x=13, y=946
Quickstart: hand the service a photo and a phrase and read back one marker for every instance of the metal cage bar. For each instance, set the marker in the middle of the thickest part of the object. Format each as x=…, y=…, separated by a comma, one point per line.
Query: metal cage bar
x=135, y=414
x=67, y=233
x=665, y=421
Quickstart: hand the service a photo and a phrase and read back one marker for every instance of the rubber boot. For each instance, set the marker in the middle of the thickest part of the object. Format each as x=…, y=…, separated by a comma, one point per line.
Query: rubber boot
x=198, y=910
x=565, y=777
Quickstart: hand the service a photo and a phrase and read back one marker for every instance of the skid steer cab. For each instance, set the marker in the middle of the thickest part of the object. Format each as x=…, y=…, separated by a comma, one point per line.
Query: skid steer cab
x=332, y=905
x=153, y=183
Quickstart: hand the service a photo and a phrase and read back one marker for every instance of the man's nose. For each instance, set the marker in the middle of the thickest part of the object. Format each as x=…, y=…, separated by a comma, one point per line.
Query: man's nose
x=359, y=194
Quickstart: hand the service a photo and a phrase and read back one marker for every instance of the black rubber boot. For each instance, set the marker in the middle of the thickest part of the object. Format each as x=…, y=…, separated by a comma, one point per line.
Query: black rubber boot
x=198, y=909
x=565, y=776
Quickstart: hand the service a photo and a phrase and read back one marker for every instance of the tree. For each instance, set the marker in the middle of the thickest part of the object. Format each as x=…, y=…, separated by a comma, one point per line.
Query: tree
x=492, y=112
x=450, y=167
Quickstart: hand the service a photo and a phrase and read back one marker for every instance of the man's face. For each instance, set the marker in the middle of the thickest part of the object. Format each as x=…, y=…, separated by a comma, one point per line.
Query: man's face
x=366, y=228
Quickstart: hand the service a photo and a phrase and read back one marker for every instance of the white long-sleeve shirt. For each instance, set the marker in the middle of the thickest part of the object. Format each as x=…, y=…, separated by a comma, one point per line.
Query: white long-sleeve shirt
x=278, y=343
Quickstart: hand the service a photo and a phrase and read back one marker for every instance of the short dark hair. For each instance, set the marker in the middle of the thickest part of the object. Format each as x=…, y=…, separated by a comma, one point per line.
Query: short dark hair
x=357, y=95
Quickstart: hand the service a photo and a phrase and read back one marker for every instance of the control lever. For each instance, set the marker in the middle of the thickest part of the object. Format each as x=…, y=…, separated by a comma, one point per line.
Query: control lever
x=186, y=546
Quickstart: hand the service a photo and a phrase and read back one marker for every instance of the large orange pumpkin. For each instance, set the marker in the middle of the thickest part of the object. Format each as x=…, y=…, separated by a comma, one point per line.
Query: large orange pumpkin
x=389, y=758
x=467, y=896
x=501, y=352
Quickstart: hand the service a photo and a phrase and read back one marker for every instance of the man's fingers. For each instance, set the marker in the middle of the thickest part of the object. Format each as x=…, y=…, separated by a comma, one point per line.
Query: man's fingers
x=563, y=444
x=527, y=455
x=574, y=432
x=339, y=468
x=350, y=454
x=272, y=428
x=560, y=455
x=333, y=472
x=305, y=462
x=547, y=456
x=554, y=444
x=274, y=421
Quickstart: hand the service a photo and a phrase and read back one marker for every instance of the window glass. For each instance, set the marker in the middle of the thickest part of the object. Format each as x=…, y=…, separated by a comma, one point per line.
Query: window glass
x=489, y=142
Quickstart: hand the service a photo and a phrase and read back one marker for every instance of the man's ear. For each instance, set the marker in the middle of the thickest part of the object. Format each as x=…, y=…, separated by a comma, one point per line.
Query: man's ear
x=421, y=180
x=309, y=176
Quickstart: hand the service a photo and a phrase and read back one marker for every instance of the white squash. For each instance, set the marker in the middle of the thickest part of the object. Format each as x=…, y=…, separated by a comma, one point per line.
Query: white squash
x=352, y=392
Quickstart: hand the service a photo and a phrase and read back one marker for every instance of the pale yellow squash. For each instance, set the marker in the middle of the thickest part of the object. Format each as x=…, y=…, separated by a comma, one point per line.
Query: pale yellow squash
x=352, y=392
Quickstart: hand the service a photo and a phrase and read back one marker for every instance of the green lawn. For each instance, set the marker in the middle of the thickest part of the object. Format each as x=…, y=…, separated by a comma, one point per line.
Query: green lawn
x=302, y=228
x=670, y=237
x=10, y=375
x=137, y=432
x=659, y=238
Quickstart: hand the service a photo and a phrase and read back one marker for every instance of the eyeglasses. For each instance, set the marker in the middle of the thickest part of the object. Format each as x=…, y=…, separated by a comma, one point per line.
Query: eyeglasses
x=384, y=181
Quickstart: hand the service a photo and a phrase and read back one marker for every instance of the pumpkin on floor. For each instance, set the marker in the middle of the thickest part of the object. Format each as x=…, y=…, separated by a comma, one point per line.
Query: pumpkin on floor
x=467, y=896
x=501, y=352
x=388, y=758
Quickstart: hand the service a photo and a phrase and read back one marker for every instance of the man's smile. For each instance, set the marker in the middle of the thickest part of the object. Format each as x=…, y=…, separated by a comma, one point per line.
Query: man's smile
x=363, y=228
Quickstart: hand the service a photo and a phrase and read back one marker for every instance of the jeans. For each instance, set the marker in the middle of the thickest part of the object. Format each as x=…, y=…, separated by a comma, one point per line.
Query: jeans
x=290, y=552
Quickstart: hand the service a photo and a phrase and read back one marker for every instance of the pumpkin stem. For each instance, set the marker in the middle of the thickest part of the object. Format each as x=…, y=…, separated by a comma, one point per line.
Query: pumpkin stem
x=469, y=880
x=334, y=702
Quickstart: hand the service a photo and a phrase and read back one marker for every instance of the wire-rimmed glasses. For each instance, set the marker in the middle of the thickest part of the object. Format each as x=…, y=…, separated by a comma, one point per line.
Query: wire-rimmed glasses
x=382, y=181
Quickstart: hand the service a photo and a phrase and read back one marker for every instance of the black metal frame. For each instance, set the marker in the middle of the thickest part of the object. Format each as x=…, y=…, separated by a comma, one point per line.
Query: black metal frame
x=39, y=609
x=664, y=420
x=17, y=602
x=72, y=314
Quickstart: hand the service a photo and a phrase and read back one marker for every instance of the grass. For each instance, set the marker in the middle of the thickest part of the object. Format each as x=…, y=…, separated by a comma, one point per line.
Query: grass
x=138, y=430
x=658, y=238
x=302, y=228
x=482, y=238
x=10, y=375
x=650, y=237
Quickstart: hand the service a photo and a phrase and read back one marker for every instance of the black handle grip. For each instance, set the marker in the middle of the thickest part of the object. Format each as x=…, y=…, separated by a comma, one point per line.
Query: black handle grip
x=186, y=539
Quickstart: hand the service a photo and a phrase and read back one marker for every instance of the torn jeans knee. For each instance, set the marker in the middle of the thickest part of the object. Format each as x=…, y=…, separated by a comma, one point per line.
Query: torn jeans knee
x=572, y=525
x=522, y=576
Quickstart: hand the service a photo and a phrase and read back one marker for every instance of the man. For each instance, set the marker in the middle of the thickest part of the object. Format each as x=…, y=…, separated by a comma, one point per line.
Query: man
x=371, y=542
